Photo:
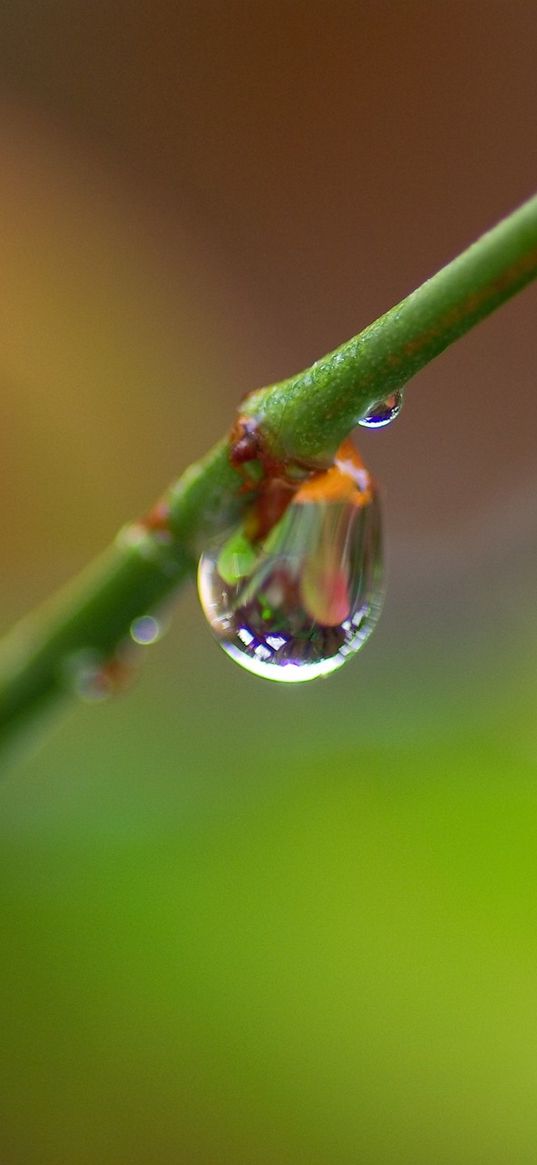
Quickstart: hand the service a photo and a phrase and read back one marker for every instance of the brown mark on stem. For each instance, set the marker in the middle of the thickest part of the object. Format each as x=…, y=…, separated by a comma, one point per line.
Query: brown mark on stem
x=157, y=520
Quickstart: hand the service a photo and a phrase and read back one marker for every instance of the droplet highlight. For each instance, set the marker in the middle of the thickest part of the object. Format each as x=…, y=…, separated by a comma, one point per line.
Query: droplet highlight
x=383, y=412
x=301, y=602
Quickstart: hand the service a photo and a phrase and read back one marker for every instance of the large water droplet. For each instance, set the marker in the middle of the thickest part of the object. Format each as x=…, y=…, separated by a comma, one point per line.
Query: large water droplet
x=383, y=412
x=298, y=604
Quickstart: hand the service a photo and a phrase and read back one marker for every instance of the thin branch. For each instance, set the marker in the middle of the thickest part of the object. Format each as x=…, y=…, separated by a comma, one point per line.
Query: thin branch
x=311, y=413
x=304, y=418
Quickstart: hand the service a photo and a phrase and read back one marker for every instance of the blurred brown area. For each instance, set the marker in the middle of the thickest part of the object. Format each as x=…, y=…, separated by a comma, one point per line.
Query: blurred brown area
x=205, y=197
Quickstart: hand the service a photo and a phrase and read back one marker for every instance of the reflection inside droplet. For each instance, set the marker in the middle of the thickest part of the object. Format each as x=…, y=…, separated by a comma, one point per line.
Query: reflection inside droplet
x=383, y=412
x=299, y=603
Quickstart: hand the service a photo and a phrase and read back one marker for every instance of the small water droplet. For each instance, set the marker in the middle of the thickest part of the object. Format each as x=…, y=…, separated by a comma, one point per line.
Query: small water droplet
x=383, y=412
x=299, y=603
x=145, y=630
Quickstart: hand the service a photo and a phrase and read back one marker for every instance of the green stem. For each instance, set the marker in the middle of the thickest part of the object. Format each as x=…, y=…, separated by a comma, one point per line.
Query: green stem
x=304, y=418
x=309, y=414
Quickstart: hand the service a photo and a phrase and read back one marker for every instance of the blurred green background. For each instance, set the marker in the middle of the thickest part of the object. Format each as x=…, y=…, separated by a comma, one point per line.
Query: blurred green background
x=243, y=924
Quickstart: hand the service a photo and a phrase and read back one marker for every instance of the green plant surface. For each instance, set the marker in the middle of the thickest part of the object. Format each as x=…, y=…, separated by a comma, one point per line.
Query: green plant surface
x=304, y=417
x=304, y=930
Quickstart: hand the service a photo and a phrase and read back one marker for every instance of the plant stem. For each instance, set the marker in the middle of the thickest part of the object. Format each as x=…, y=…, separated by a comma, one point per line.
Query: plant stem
x=303, y=418
x=309, y=414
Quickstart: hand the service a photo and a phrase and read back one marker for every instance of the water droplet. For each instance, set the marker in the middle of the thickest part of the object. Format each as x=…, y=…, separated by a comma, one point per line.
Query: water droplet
x=383, y=412
x=302, y=601
x=145, y=630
